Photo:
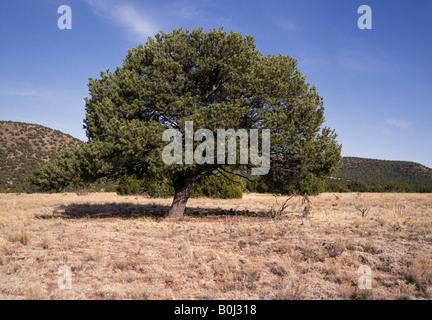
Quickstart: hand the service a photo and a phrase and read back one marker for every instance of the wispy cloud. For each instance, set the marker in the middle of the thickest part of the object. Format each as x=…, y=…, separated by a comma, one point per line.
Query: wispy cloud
x=26, y=90
x=363, y=57
x=135, y=21
x=42, y=94
x=398, y=124
x=287, y=25
x=315, y=59
x=185, y=10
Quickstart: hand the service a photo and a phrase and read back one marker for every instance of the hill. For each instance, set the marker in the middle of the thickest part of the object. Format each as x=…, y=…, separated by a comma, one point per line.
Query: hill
x=24, y=147
x=373, y=171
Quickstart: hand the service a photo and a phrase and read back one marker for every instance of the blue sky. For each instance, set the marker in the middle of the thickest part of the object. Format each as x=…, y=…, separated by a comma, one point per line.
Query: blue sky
x=376, y=84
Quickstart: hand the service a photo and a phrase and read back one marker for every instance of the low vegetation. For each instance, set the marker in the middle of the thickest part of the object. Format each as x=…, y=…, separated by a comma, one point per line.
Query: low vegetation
x=120, y=247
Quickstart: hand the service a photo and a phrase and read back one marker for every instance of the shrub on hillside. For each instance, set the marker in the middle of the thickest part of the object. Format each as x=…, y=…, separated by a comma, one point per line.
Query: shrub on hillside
x=376, y=187
x=393, y=186
x=358, y=186
x=15, y=190
x=425, y=189
x=336, y=187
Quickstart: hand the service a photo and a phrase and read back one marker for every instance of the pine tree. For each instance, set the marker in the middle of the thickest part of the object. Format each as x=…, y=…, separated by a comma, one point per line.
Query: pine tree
x=218, y=80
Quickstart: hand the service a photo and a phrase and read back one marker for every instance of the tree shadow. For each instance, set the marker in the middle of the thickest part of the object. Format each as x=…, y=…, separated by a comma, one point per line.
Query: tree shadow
x=136, y=211
x=106, y=211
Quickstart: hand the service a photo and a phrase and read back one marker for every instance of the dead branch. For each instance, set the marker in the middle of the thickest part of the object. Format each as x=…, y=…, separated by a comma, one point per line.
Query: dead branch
x=364, y=211
x=281, y=208
x=306, y=201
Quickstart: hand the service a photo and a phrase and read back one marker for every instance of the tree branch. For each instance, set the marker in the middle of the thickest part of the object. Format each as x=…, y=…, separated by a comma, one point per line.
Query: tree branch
x=236, y=174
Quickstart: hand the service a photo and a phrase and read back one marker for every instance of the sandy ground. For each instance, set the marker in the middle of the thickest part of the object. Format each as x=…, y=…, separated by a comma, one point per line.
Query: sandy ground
x=103, y=246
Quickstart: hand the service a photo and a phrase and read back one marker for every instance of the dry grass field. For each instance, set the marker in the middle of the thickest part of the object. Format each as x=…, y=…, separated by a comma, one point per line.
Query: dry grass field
x=120, y=247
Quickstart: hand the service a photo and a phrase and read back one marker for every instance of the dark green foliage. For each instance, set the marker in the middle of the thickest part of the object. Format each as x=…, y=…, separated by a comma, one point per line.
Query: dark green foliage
x=361, y=186
x=226, y=186
x=376, y=187
x=397, y=187
x=155, y=188
x=255, y=184
x=77, y=167
x=425, y=189
x=15, y=190
x=111, y=188
x=336, y=187
x=216, y=186
x=129, y=185
x=59, y=173
x=158, y=188
x=358, y=186
x=311, y=185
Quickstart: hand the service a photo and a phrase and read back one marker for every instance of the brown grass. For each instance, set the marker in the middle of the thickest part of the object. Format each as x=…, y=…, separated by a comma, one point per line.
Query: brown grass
x=122, y=248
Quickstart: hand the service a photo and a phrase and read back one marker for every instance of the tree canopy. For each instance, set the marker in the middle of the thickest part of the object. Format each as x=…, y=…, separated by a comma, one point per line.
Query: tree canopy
x=217, y=80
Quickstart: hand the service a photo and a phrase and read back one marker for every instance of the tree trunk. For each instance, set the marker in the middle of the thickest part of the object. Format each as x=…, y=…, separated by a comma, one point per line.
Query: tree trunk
x=181, y=196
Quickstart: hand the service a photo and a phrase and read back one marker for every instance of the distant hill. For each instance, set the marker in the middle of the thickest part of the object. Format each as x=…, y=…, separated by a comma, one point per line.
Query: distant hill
x=373, y=171
x=24, y=147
